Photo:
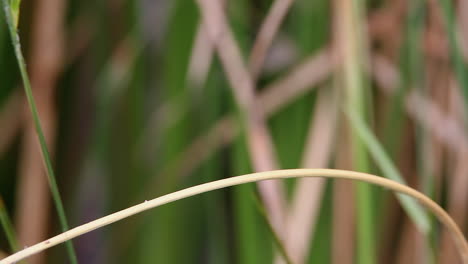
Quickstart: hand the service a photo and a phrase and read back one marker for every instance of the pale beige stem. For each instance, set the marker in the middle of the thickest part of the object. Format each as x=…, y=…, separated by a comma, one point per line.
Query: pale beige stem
x=447, y=129
x=441, y=215
x=258, y=138
x=300, y=80
x=305, y=205
x=201, y=58
x=303, y=78
x=266, y=35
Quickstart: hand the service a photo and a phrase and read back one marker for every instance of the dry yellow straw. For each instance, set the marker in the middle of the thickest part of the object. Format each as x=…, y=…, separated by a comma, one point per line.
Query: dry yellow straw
x=443, y=217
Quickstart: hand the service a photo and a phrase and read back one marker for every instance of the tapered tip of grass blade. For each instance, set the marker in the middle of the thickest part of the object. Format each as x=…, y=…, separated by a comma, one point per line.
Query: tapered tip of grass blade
x=14, y=10
x=413, y=209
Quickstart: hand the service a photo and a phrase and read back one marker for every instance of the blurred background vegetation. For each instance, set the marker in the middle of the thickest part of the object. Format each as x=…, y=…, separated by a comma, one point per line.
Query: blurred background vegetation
x=139, y=98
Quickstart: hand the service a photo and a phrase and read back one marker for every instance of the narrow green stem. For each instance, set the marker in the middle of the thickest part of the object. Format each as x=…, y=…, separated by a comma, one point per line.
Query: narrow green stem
x=356, y=95
x=389, y=170
x=279, y=243
x=8, y=227
x=415, y=79
x=37, y=124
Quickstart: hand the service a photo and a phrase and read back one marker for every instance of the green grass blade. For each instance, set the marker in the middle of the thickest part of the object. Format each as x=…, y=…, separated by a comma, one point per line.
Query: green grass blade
x=309, y=27
x=252, y=236
x=276, y=239
x=9, y=12
x=357, y=97
x=15, y=9
x=8, y=227
x=208, y=108
x=414, y=210
x=164, y=246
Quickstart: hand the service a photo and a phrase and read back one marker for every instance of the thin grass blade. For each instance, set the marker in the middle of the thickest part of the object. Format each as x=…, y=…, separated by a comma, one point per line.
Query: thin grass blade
x=10, y=12
x=414, y=210
x=8, y=227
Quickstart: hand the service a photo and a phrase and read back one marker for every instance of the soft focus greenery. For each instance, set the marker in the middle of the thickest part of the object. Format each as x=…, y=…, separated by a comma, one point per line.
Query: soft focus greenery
x=128, y=111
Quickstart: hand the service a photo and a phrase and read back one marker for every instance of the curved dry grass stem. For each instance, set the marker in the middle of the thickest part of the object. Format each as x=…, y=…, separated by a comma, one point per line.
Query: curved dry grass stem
x=443, y=217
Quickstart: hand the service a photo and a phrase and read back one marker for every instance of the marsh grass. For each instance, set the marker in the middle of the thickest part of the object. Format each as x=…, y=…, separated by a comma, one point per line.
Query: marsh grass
x=138, y=58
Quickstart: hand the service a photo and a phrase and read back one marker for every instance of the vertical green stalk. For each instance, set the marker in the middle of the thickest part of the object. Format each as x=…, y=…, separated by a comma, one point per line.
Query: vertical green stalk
x=252, y=236
x=389, y=170
x=356, y=95
x=8, y=227
x=207, y=106
x=413, y=65
x=164, y=246
x=11, y=16
x=414, y=78
x=276, y=239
